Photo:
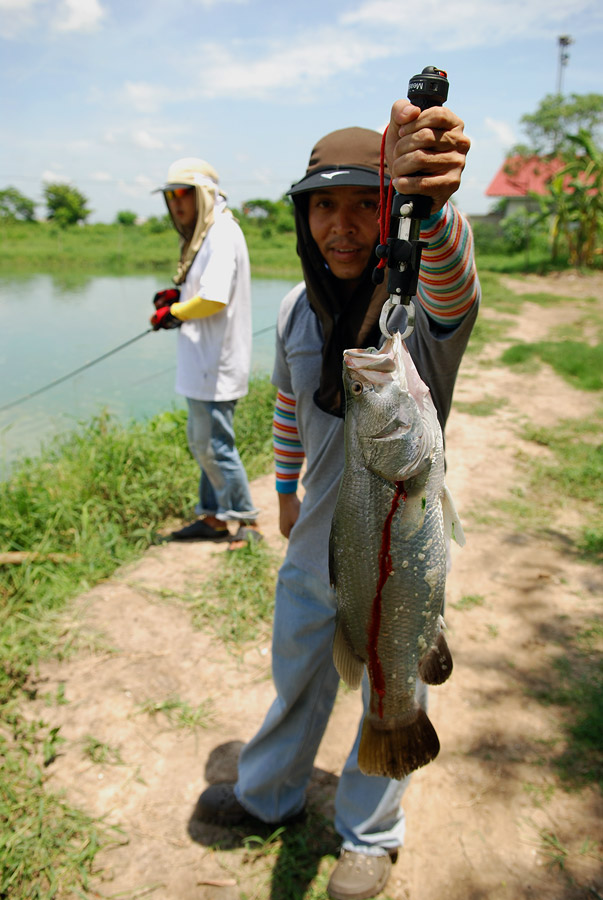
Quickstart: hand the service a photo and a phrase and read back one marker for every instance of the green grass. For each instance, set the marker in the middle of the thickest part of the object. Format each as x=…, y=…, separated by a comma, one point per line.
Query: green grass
x=469, y=601
x=239, y=603
x=180, y=713
x=299, y=858
x=95, y=249
x=575, y=681
x=47, y=848
x=574, y=476
x=568, y=478
x=98, y=494
x=579, y=363
x=487, y=406
x=100, y=752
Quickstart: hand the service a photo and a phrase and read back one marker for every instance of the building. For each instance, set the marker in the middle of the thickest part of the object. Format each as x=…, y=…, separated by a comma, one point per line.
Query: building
x=518, y=177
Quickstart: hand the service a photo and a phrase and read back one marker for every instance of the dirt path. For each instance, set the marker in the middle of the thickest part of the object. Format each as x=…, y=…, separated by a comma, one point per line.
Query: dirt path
x=485, y=820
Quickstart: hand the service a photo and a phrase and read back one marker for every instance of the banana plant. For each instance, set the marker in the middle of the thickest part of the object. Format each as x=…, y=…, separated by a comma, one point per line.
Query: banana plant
x=573, y=204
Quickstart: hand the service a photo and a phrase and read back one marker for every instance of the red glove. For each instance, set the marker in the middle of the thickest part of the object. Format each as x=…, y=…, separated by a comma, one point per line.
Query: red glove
x=164, y=319
x=166, y=298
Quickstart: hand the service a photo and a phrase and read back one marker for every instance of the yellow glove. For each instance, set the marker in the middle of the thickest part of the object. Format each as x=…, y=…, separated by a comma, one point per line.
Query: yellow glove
x=196, y=308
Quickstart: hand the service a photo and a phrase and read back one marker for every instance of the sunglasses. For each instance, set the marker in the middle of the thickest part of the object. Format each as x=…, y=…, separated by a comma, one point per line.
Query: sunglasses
x=174, y=193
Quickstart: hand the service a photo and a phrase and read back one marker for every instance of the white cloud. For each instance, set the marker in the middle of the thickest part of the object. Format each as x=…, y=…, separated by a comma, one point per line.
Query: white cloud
x=144, y=97
x=79, y=15
x=502, y=130
x=16, y=16
x=101, y=176
x=141, y=186
x=470, y=23
x=51, y=177
x=303, y=65
x=208, y=4
x=79, y=146
x=146, y=141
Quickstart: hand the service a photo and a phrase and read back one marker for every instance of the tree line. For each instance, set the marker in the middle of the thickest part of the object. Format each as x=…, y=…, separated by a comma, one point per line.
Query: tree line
x=570, y=213
x=66, y=206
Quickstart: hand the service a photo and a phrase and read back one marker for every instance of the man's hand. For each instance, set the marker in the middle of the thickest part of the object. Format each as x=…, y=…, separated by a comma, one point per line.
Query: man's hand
x=288, y=509
x=426, y=151
x=166, y=298
x=164, y=319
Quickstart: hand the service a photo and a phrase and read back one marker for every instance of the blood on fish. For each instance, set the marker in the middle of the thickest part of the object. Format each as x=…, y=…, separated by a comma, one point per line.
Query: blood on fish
x=385, y=570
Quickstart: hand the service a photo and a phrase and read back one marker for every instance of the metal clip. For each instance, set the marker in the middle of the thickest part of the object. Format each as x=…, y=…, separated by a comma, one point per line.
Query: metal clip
x=410, y=317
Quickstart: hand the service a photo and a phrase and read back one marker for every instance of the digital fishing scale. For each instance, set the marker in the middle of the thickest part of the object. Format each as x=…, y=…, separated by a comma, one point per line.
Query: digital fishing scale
x=403, y=248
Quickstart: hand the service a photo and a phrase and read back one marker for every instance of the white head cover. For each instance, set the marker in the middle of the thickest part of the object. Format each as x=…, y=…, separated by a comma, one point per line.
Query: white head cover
x=192, y=172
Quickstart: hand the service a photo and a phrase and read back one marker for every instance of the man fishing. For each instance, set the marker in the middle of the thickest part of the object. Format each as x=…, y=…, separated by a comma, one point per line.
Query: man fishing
x=212, y=308
x=337, y=307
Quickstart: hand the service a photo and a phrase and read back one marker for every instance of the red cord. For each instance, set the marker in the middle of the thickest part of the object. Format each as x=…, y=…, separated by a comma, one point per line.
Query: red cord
x=385, y=206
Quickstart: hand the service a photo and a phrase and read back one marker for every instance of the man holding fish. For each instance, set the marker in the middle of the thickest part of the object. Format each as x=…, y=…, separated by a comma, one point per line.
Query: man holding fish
x=390, y=536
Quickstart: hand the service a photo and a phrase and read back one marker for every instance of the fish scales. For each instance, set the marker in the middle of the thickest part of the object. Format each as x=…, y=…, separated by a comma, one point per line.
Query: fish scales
x=388, y=555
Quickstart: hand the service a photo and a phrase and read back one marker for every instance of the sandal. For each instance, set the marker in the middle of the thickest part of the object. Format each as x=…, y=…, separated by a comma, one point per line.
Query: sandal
x=246, y=534
x=200, y=531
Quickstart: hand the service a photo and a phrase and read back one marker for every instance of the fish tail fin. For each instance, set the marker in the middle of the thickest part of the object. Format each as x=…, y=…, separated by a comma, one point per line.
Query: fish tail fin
x=349, y=666
x=435, y=666
x=397, y=752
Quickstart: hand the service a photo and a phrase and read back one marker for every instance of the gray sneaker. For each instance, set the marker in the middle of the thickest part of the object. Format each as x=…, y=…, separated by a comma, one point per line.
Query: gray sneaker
x=358, y=876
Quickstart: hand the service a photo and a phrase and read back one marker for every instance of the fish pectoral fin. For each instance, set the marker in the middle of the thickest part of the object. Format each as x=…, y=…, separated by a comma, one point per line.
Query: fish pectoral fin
x=435, y=666
x=349, y=666
x=452, y=524
x=397, y=752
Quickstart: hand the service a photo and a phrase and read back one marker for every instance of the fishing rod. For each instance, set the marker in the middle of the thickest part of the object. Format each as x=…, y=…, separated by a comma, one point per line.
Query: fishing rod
x=93, y=362
x=402, y=250
x=87, y=365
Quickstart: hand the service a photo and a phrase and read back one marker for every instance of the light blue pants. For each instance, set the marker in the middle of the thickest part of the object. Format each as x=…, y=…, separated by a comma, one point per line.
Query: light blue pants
x=223, y=487
x=275, y=766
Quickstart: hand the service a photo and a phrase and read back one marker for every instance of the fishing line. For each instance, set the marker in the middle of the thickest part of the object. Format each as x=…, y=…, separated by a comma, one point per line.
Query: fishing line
x=88, y=365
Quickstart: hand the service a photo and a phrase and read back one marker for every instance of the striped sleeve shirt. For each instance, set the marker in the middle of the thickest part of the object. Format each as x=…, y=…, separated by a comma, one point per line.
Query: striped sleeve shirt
x=448, y=285
x=288, y=451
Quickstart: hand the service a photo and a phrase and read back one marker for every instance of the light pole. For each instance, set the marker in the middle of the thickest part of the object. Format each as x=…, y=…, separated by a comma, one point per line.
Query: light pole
x=564, y=41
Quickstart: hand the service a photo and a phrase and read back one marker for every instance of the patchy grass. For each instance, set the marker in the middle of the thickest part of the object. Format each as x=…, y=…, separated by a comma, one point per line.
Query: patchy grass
x=575, y=681
x=298, y=858
x=574, y=477
x=486, y=406
x=240, y=600
x=90, y=502
x=47, y=847
x=180, y=713
x=579, y=363
x=100, y=752
x=469, y=601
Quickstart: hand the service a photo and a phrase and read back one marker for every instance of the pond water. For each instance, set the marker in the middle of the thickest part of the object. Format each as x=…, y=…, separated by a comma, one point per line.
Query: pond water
x=52, y=325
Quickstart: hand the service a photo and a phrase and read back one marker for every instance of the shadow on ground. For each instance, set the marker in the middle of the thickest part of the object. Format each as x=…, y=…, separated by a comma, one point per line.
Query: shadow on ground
x=292, y=852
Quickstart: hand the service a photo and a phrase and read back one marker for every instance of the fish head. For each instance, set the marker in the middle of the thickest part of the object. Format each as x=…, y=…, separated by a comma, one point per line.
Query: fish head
x=389, y=412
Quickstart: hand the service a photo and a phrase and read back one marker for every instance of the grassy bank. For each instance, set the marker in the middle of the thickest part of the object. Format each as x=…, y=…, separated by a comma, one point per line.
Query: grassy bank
x=90, y=502
x=153, y=247
x=117, y=249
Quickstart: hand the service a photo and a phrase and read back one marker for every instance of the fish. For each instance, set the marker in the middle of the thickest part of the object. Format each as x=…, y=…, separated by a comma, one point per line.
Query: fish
x=388, y=555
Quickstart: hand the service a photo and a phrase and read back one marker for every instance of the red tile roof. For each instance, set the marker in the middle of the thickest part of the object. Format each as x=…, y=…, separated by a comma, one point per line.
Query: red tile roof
x=519, y=174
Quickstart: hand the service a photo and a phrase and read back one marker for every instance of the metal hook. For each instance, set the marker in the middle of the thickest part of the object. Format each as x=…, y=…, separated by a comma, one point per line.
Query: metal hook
x=410, y=318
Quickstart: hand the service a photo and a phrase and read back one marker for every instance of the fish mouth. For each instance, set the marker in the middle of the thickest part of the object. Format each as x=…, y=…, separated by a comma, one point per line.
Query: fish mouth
x=394, y=429
x=369, y=363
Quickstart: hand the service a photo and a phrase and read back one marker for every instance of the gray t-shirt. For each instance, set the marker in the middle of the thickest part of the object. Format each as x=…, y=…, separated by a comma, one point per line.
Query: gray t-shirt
x=437, y=355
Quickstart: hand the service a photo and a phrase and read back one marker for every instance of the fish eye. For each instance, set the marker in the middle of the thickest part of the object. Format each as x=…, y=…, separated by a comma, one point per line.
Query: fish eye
x=357, y=388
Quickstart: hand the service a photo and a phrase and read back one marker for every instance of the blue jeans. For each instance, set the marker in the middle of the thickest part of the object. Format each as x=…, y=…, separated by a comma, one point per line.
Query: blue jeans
x=223, y=488
x=275, y=766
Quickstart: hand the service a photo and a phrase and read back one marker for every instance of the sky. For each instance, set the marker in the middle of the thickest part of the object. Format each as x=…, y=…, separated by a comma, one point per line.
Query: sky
x=106, y=94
